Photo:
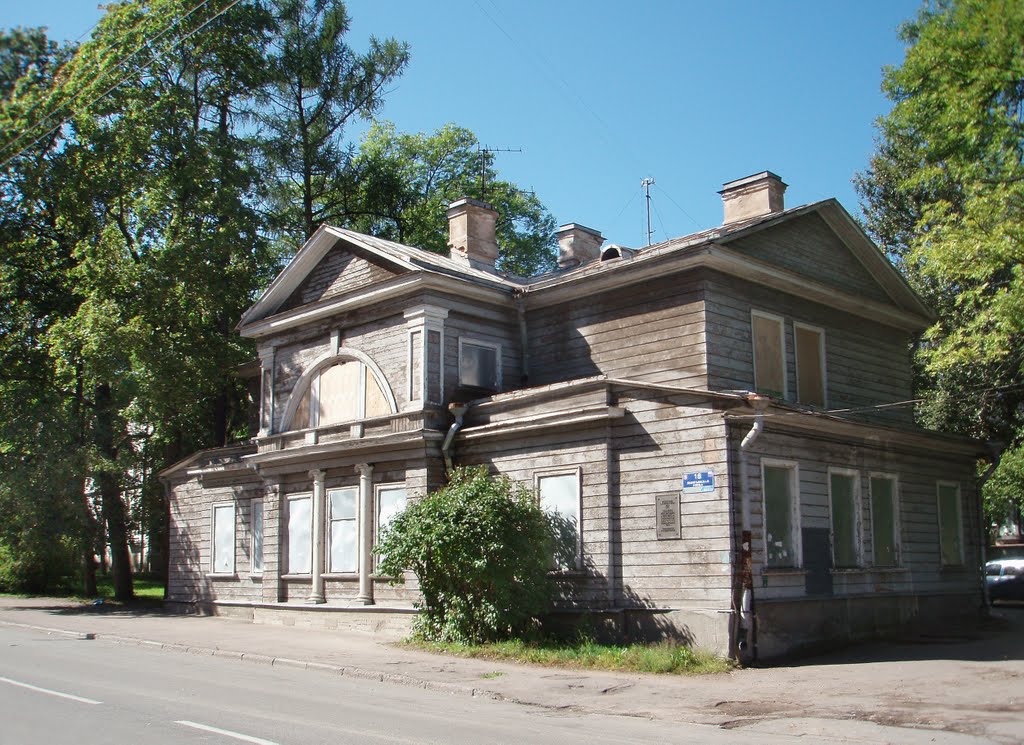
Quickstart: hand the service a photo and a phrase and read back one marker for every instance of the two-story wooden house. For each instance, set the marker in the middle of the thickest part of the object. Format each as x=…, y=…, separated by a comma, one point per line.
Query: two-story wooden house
x=725, y=417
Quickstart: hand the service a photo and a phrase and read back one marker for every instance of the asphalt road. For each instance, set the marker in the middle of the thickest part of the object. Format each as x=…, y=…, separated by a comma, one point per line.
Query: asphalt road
x=58, y=689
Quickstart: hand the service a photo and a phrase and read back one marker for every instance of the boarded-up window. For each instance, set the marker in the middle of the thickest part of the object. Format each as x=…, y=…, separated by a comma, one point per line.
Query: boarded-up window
x=343, y=531
x=560, y=499
x=339, y=393
x=300, y=546
x=810, y=365
x=781, y=515
x=223, y=549
x=950, y=524
x=344, y=392
x=845, y=502
x=884, y=521
x=769, y=355
x=478, y=365
x=256, y=545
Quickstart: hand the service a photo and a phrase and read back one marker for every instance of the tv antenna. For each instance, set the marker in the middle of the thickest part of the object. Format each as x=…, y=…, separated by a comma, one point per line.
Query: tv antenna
x=483, y=165
x=646, y=184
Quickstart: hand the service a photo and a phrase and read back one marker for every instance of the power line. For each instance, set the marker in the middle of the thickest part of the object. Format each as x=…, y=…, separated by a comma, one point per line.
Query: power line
x=108, y=91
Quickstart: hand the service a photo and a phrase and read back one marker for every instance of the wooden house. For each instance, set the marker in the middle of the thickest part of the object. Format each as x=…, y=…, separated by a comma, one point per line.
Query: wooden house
x=725, y=417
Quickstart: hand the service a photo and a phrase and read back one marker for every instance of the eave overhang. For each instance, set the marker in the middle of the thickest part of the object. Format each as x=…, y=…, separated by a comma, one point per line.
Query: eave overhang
x=822, y=424
x=408, y=284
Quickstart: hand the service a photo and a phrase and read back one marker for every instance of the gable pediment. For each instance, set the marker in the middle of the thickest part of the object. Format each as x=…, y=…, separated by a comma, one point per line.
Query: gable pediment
x=343, y=269
x=809, y=247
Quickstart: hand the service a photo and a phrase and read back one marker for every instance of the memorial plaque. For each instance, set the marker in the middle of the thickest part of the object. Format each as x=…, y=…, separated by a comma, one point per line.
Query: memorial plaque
x=667, y=507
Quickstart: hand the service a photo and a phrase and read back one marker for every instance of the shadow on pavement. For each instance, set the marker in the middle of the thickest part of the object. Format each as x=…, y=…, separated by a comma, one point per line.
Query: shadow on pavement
x=999, y=636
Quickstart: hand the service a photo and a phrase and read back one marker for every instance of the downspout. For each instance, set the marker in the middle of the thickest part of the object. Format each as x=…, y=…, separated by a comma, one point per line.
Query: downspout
x=747, y=649
x=997, y=453
x=524, y=342
x=458, y=411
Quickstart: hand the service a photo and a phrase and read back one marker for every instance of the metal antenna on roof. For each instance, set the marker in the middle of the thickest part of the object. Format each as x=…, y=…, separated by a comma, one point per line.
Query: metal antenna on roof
x=483, y=165
x=646, y=184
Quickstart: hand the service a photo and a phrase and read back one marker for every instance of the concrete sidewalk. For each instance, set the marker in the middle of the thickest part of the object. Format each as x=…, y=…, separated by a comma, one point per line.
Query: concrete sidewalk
x=967, y=688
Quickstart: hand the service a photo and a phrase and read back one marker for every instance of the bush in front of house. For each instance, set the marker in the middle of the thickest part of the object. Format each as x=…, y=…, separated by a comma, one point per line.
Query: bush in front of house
x=481, y=548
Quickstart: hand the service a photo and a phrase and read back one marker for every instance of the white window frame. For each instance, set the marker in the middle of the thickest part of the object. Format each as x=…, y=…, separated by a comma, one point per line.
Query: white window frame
x=754, y=313
x=858, y=527
x=821, y=356
x=288, y=534
x=329, y=528
x=213, y=537
x=794, y=511
x=255, y=508
x=577, y=473
x=896, y=523
x=959, y=521
x=497, y=360
x=377, y=489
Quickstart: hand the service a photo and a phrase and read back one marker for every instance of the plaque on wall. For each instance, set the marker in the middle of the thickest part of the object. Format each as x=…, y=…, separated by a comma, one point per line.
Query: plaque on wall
x=667, y=515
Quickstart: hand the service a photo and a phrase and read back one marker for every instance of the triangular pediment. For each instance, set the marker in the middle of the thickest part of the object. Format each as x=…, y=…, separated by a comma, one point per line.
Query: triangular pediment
x=824, y=244
x=342, y=269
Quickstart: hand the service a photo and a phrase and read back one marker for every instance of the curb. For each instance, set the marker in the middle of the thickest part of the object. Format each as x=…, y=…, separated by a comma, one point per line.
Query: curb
x=343, y=670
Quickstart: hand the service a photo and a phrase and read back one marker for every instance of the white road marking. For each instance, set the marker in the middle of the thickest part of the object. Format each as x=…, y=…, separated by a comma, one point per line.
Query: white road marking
x=225, y=732
x=48, y=691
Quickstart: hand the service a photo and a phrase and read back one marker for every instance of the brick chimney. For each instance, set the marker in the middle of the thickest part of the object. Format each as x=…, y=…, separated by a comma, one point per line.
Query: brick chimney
x=753, y=196
x=471, y=233
x=577, y=244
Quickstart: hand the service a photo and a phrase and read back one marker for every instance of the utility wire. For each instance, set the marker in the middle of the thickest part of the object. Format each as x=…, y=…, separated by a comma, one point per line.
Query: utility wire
x=108, y=91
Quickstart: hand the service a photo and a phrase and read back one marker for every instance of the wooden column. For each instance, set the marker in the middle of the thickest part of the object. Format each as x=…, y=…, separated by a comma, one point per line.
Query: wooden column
x=365, y=472
x=316, y=589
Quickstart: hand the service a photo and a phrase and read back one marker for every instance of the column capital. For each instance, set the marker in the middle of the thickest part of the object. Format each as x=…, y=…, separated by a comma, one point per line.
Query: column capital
x=364, y=469
x=317, y=475
x=425, y=314
x=267, y=355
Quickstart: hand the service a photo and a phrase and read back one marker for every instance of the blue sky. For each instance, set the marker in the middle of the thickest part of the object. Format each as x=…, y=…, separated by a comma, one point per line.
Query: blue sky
x=599, y=95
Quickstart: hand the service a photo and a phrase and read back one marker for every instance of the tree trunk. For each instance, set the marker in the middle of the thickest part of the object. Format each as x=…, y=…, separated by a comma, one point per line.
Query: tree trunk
x=111, y=503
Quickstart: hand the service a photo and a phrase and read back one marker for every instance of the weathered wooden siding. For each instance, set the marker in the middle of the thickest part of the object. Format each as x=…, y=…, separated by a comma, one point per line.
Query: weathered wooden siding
x=342, y=269
x=381, y=336
x=808, y=246
x=920, y=570
x=654, y=332
x=866, y=363
x=190, y=540
x=659, y=440
x=461, y=324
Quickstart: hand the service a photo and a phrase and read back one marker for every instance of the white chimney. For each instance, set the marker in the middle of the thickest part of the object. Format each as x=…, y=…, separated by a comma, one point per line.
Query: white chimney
x=753, y=196
x=472, y=233
x=577, y=244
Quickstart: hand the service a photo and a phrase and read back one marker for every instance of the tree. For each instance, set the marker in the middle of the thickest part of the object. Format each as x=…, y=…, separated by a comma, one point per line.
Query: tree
x=944, y=193
x=481, y=549
x=317, y=84
x=407, y=181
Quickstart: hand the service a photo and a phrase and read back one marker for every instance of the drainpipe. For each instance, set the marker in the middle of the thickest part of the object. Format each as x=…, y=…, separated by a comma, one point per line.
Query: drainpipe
x=458, y=411
x=997, y=453
x=524, y=367
x=747, y=645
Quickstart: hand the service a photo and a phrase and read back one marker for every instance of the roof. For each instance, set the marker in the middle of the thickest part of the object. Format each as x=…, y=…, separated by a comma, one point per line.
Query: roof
x=712, y=248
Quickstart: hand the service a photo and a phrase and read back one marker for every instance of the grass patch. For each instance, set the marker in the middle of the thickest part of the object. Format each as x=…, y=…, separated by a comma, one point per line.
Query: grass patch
x=144, y=586
x=664, y=657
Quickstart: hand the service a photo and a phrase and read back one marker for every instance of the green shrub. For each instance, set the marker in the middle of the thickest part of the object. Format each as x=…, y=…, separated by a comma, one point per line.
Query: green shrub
x=481, y=549
x=36, y=567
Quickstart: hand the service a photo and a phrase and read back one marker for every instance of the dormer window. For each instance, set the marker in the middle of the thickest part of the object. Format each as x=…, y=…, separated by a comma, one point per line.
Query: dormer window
x=479, y=365
x=343, y=392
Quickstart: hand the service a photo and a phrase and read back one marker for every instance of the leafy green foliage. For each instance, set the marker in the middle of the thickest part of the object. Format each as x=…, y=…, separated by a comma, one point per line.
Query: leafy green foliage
x=945, y=195
x=481, y=549
x=407, y=181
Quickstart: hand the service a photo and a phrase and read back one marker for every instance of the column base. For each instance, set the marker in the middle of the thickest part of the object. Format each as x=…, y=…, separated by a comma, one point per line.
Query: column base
x=316, y=600
x=364, y=600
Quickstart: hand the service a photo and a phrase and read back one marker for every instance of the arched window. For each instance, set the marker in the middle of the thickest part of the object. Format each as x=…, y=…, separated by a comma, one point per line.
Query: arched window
x=342, y=392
